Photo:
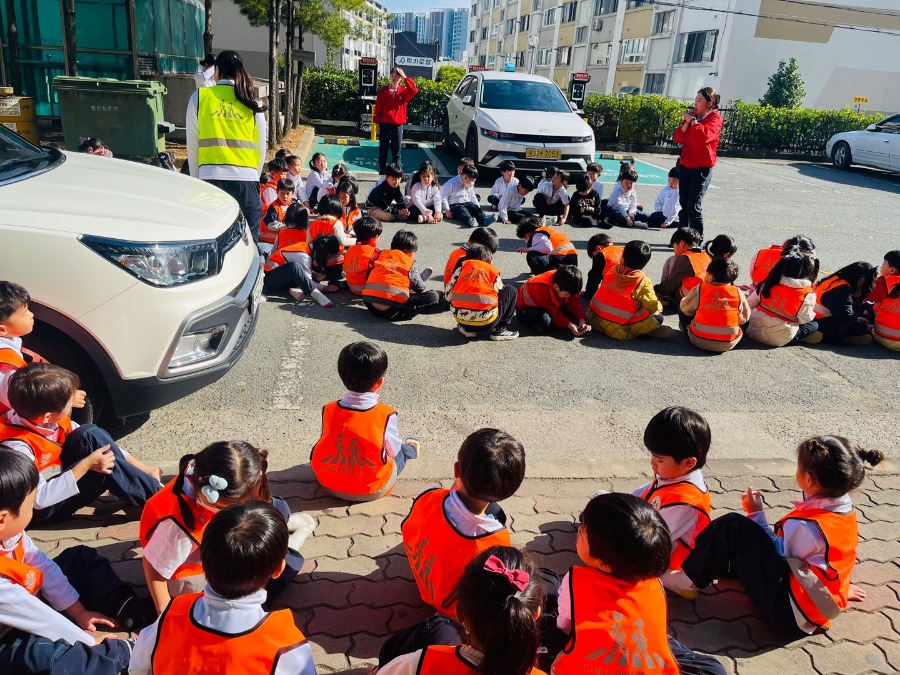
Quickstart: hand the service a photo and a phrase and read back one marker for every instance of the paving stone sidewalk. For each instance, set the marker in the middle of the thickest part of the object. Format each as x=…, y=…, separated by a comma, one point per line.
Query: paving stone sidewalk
x=356, y=587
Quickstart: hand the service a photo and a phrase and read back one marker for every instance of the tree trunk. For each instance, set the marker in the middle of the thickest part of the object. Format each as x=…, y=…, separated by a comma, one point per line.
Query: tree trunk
x=288, y=69
x=69, y=33
x=273, y=73
x=15, y=67
x=207, y=28
x=298, y=80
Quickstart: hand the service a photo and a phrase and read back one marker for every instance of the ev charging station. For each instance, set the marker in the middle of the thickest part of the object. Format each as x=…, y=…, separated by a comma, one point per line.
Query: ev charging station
x=368, y=91
x=578, y=89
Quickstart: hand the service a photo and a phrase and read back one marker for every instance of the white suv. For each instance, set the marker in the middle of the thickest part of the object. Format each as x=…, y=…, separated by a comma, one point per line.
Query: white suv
x=493, y=116
x=144, y=282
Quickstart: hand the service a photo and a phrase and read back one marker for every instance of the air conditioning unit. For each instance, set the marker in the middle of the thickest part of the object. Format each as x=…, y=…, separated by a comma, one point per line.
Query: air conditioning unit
x=597, y=24
x=602, y=60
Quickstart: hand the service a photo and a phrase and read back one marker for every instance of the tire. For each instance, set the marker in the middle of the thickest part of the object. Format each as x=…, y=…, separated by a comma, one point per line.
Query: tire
x=841, y=156
x=50, y=345
x=472, y=147
x=446, y=143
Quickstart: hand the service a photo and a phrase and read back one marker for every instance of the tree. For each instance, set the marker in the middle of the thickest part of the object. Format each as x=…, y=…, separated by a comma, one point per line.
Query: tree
x=785, y=87
x=207, y=27
x=450, y=74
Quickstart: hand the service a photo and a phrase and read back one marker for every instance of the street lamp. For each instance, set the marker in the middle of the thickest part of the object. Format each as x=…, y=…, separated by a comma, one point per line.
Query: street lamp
x=533, y=43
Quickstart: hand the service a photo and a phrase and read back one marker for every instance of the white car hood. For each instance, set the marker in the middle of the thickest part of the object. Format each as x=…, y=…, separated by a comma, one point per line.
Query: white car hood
x=532, y=123
x=117, y=199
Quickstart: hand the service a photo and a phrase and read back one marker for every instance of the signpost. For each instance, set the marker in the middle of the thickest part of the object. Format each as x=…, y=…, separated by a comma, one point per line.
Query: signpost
x=308, y=58
x=860, y=100
x=578, y=88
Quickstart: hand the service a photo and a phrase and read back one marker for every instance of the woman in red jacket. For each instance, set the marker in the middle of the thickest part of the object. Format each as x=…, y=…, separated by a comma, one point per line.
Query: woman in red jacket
x=390, y=115
x=699, y=136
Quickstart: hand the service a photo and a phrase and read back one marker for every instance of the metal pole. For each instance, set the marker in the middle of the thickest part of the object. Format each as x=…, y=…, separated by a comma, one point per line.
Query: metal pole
x=15, y=68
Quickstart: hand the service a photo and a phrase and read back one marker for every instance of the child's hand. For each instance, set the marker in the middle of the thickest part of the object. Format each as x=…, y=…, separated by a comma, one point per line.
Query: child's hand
x=855, y=593
x=448, y=214
x=101, y=460
x=629, y=221
x=79, y=399
x=438, y=217
x=523, y=249
x=318, y=276
x=403, y=212
x=89, y=621
x=752, y=501
x=156, y=472
x=507, y=222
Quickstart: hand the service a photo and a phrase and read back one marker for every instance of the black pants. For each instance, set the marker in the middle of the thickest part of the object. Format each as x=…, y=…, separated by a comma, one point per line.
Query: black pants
x=390, y=137
x=493, y=200
x=465, y=212
x=616, y=218
x=246, y=193
x=657, y=218
x=417, y=303
x=539, y=263
x=692, y=187
x=286, y=276
x=536, y=318
x=835, y=330
x=293, y=559
x=545, y=208
x=586, y=221
x=126, y=481
x=804, y=330
x=515, y=216
x=505, y=312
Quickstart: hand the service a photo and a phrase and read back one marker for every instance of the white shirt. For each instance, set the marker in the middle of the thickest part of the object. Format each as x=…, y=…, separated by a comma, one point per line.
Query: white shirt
x=366, y=401
x=681, y=518
x=224, y=616
x=540, y=243
x=560, y=195
x=169, y=548
x=426, y=199
x=317, y=179
x=667, y=203
x=205, y=78
x=467, y=523
x=299, y=190
x=598, y=187
x=14, y=343
x=500, y=185
x=221, y=171
x=455, y=192
x=622, y=202
x=510, y=201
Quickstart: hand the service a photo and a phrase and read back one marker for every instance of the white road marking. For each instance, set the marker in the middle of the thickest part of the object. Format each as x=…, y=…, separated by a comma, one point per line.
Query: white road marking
x=442, y=170
x=817, y=186
x=288, y=392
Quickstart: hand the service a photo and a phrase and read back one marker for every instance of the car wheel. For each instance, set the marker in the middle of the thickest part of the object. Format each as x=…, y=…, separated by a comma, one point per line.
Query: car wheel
x=48, y=344
x=841, y=156
x=472, y=147
x=446, y=142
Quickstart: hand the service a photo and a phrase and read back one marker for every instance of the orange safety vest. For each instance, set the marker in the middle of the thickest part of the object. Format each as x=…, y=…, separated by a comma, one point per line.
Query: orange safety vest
x=447, y=660
x=719, y=315
x=437, y=553
x=350, y=217
x=475, y=287
x=612, y=256
x=683, y=493
x=615, y=303
x=10, y=357
x=322, y=225
x=276, y=257
x=560, y=243
x=887, y=319
x=454, y=258
x=165, y=505
x=538, y=292
x=46, y=452
x=784, y=302
x=841, y=536
x=821, y=288
x=358, y=262
x=699, y=262
x=262, y=189
x=765, y=261
x=389, y=278
x=265, y=234
x=617, y=627
x=350, y=456
x=185, y=647
x=288, y=236
x=19, y=572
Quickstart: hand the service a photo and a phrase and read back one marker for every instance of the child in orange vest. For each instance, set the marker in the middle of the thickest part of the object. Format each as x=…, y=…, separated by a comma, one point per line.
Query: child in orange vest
x=48, y=627
x=395, y=289
x=887, y=321
x=612, y=613
x=625, y=306
x=300, y=269
x=678, y=440
x=685, y=269
x=359, y=455
x=718, y=308
x=498, y=590
x=551, y=301
x=76, y=464
x=273, y=215
x=445, y=529
x=783, y=305
x=268, y=191
x=360, y=258
x=797, y=574
x=347, y=190
x=764, y=260
x=604, y=256
x=888, y=277
x=547, y=248
x=840, y=311
x=481, y=304
x=486, y=236
x=296, y=227
x=225, y=628
x=174, y=520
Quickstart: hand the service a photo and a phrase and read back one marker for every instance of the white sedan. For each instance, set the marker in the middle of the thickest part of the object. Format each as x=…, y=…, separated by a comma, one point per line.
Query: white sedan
x=878, y=146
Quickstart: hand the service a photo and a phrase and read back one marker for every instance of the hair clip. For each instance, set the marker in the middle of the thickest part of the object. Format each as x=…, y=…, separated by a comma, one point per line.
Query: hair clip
x=795, y=255
x=518, y=579
x=211, y=489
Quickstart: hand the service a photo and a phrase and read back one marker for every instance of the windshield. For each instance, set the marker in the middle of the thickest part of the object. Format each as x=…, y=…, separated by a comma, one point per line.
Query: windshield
x=523, y=95
x=19, y=158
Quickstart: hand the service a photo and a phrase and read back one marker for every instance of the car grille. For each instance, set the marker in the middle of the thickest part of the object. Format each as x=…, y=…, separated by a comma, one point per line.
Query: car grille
x=537, y=138
x=229, y=239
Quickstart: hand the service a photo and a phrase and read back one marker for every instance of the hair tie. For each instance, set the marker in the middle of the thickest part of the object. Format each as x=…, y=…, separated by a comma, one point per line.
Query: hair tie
x=518, y=579
x=212, y=487
x=796, y=255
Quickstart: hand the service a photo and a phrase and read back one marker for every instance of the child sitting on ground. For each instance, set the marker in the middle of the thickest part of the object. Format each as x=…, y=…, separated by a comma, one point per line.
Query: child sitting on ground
x=888, y=277
x=77, y=464
x=385, y=201
x=509, y=208
x=666, y=206
x=685, y=269
x=594, y=170
x=359, y=455
x=425, y=198
x=295, y=166
x=604, y=256
x=584, y=207
x=481, y=304
x=318, y=181
x=360, y=258
x=268, y=192
x=622, y=207
x=887, y=321
x=395, y=289
x=460, y=201
x=329, y=222
x=547, y=248
x=445, y=529
x=273, y=215
x=486, y=236
x=721, y=246
x=347, y=190
x=615, y=606
x=839, y=304
x=550, y=301
x=300, y=269
x=225, y=628
x=296, y=227
x=718, y=307
x=507, y=179
x=797, y=574
x=338, y=173
x=625, y=305
x=764, y=260
x=45, y=623
x=551, y=198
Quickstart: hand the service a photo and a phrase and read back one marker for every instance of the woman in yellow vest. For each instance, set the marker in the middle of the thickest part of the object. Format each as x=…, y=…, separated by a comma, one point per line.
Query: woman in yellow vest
x=226, y=136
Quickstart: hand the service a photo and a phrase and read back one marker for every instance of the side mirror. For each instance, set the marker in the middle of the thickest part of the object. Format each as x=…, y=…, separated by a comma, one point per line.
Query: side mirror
x=872, y=127
x=468, y=100
x=573, y=106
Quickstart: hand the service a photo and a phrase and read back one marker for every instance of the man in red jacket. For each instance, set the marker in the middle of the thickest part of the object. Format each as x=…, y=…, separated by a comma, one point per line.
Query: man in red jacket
x=390, y=115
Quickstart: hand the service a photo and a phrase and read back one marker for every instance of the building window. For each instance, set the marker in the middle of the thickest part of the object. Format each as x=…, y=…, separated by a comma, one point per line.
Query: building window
x=525, y=23
x=634, y=4
x=484, y=33
x=663, y=22
x=581, y=35
x=492, y=61
x=543, y=57
x=563, y=56
x=600, y=52
x=494, y=31
x=471, y=36
x=549, y=17
x=654, y=83
x=502, y=15
x=496, y=3
x=510, y=26
x=605, y=7
x=520, y=59
x=536, y=6
x=569, y=10
x=482, y=60
x=633, y=51
x=696, y=47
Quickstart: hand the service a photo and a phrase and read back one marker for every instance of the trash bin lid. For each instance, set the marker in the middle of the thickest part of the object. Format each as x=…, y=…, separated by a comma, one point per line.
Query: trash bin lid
x=108, y=85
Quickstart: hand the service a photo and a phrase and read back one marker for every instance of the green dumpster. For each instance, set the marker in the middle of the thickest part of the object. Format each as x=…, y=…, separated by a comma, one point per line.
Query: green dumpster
x=127, y=115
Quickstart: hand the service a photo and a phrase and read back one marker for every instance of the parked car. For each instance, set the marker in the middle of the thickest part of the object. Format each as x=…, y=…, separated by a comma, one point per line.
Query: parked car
x=878, y=146
x=144, y=282
x=493, y=116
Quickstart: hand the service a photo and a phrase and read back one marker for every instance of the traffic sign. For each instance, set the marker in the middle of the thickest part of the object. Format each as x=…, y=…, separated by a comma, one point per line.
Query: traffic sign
x=861, y=99
x=581, y=77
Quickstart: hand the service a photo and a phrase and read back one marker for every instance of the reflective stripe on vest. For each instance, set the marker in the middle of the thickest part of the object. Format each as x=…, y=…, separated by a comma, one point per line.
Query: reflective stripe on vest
x=277, y=258
x=227, y=132
x=887, y=319
x=165, y=504
x=765, y=261
x=19, y=572
x=389, y=278
x=447, y=660
x=437, y=553
x=612, y=256
x=559, y=243
x=821, y=288
x=186, y=647
x=784, y=302
x=699, y=262
x=357, y=263
x=615, y=303
x=538, y=292
x=718, y=315
x=682, y=493
x=46, y=452
x=350, y=456
x=474, y=288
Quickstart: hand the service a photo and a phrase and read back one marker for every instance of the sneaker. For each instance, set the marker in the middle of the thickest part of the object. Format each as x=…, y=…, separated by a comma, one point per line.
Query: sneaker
x=489, y=220
x=131, y=642
x=858, y=340
x=136, y=614
x=467, y=333
x=321, y=298
x=426, y=273
x=641, y=225
x=416, y=443
x=679, y=583
x=297, y=294
x=661, y=332
x=471, y=223
x=502, y=334
x=420, y=219
x=300, y=525
x=813, y=338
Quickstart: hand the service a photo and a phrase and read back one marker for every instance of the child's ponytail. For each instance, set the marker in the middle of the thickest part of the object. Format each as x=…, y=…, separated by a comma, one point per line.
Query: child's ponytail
x=794, y=264
x=178, y=490
x=836, y=464
x=721, y=247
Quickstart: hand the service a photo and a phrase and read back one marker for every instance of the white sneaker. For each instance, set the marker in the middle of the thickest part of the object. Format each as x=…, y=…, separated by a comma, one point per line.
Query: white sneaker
x=680, y=583
x=467, y=333
x=297, y=294
x=641, y=225
x=321, y=298
x=300, y=525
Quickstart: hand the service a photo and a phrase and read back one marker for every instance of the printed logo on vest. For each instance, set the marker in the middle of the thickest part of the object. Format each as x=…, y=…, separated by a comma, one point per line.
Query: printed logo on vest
x=656, y=503
x=475, y=274
x=227, y=111
x=30, y=580
x=718, y=301
x=422, y=565
x=620, y=655
x=347, y=457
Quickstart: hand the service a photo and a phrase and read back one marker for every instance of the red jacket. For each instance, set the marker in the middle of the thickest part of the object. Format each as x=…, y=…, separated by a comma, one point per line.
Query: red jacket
x=700, y=142
x=391, y=108
x=538, y=292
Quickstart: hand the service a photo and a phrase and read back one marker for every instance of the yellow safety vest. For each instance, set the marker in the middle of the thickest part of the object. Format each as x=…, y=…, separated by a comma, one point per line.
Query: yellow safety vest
x=227, y=129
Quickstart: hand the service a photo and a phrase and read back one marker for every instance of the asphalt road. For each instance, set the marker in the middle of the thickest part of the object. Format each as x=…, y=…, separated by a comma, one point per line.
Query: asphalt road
x=579, y=406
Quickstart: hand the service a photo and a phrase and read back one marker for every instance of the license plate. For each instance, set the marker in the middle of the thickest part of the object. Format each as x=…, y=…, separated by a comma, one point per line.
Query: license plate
x=540, y=153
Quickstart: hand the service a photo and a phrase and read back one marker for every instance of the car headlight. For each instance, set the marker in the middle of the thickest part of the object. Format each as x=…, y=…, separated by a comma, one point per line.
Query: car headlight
x=490, y=133
x=585, y=139
x=162, y=264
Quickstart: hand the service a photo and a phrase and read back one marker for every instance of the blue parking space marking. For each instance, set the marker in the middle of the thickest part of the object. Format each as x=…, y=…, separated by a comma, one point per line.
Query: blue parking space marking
x=648, y=174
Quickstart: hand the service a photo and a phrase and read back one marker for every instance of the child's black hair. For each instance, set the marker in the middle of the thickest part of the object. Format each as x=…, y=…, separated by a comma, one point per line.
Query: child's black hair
x=793, y=264
x=723, y=270
x=602, y=240
x=835, y=463
x=568, y=279
x=465, y=161
x=282, y=153
x=583, y=183
x=361, y=365
x=393, y=171
x=721, y=246
x=39, y=388
x=506, y=165
x=290, y=159
x=673, y=172
x=405, y=241
x=686, y=235
x=367, y=228
x=338, y=170
x=242, y=547
x=479, y=252
x=526, y=183
x=277, y=164
x=322, y=249
x=860, y=275
x=627, y=172
x=285, y=184
x=892, y=258
x=350, y=187
x=296, y=217
x=469, y=170
x=894, y=292
x=231, y=67
x=12, y=298
x=312, y=160
x=491, y=465
x=594, y=167
x=329, y=205
x=550, y=171
x=500, y=617
x=18, y=479
x=486, y=236
x=804, y=243
x=426, y=166
x=90, y=143
x=678, y=433
x=636, y=254
x=527, y=226
x=563, y=177
x=627, y=535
